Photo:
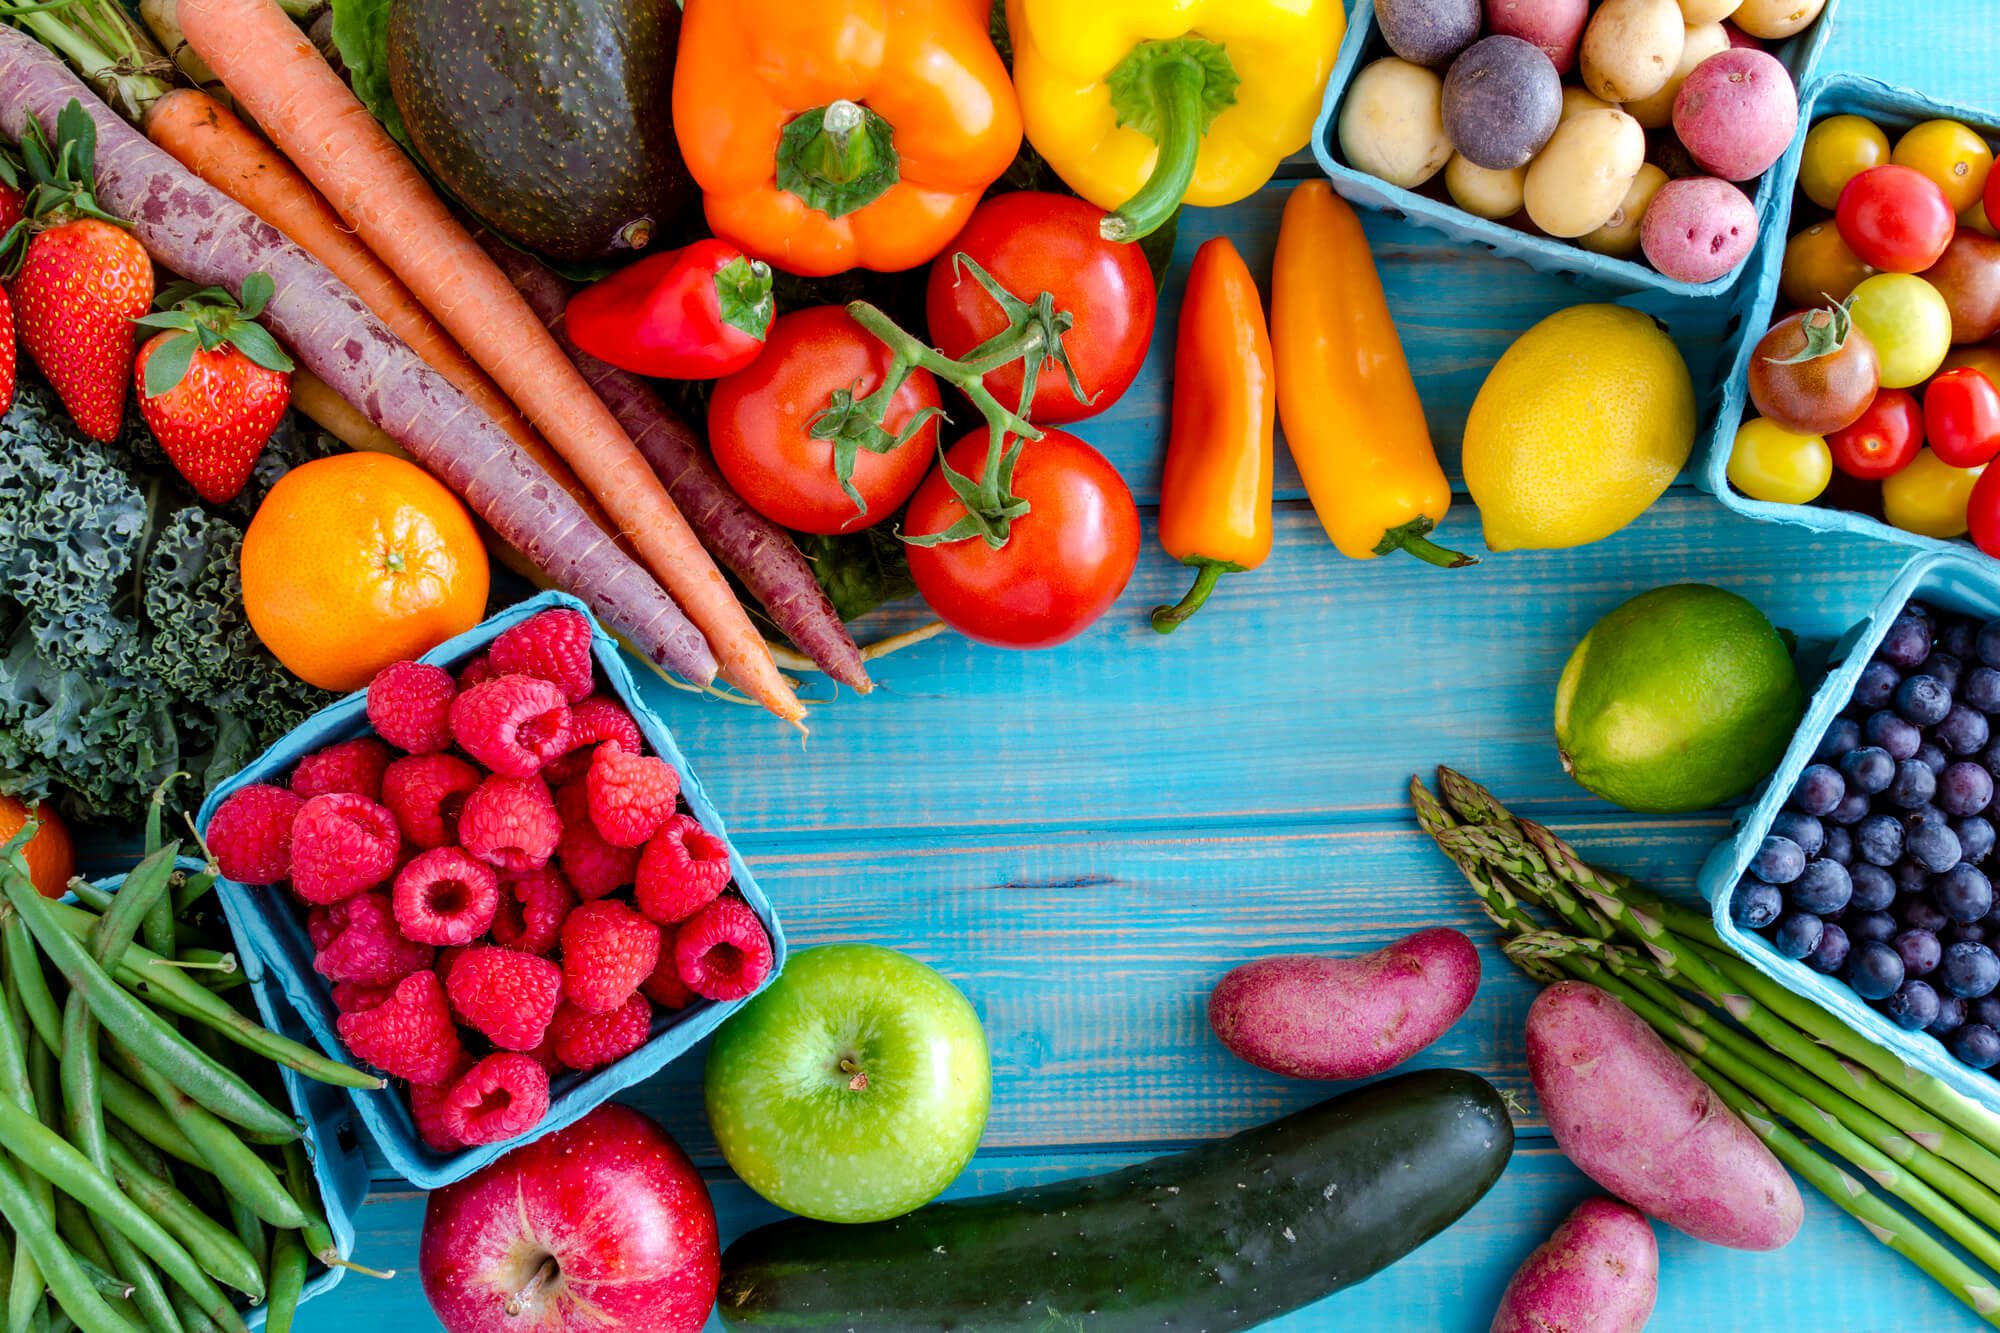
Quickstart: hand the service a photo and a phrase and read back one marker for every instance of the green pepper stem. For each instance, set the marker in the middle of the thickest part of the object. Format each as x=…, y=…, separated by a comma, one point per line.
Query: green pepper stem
x=837, y=158
x=1411, y=538
x=1178, y=93
x=1167, y=619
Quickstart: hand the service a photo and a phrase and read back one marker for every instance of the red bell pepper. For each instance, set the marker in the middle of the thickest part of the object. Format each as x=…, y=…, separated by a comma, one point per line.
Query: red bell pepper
x=696, y=313
x=1962, y=417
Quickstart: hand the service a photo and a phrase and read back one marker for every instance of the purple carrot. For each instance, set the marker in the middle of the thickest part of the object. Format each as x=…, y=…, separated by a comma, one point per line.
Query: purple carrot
x=755, y=549
x=201, y=234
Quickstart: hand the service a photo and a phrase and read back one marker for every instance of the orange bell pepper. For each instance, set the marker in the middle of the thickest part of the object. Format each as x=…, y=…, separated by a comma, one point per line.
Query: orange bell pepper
x=842, y=134
x=1215, y=500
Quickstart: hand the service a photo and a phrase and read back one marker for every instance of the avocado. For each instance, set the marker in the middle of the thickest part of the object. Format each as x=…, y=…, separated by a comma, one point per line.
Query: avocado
x=550, y=120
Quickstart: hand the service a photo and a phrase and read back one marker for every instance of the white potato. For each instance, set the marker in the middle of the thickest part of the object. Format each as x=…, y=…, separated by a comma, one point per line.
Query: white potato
x=1576, y=183
x=1619, y=236
x=1392, y=123
x=1772, y=19
x=1578, y=98
x=1482, y=190
x=1631, y=47
x=1700, y=42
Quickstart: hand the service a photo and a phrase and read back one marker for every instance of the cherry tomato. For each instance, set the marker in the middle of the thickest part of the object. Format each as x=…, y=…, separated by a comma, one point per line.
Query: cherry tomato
x=1771, y=463
x=1814, y=372
x=1962, y=417
x=1975, y=219
x=1908, y=322
x=760, y=423
x=1967, y=275
x=1065, y=561
x=1838, y=149
x=1819, y=267
x=1982, y=513
x=1032, y=243
x=1984, y=358
x=1895, y=218
x=1929, y=497
x=1883, y=440
x=1951, y=155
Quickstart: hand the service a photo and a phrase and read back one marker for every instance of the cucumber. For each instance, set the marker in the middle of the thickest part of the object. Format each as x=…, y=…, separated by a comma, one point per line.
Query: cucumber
x=1223, y=1236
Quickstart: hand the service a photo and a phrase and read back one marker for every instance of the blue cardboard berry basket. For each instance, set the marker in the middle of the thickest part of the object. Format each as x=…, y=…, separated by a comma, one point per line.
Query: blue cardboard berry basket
x=269, y=930
x=332, y=1139
x=1430, y=207
x=1833, y=95
x=1951, y=581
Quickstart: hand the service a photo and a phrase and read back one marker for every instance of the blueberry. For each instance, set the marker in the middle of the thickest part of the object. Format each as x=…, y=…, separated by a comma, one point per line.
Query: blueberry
x=1898, y=735
x=1986, y=644
x=1797, y=934
x=1914, y=785
x=1958, y=637
x=1779, y=860
x=1967, y=932
x=1920, y=950
x=1964, y=893
x=1931, y=844
x=1975, y=837
x=1876, y=685
x=1878, y=840
x=1922, y=611
x=1851, y=809
x=1964, y=730
x=1874, y=971
x=1944, y=668
x=1918, y=912
x=1922, y=700
x=1867, y=770
x=1831, y=952
x=1932, y=756
x=1844, y=733
x=1980, y=688
x=1913, y=1006
x=1950, y=1016
x=1874, y=887
x=1969, y=970
x=1819, y=790
x=1985, y=1009
x=1975, y=1044
x=1911, y=878
x=1863, y=926
x=1755, y=904
x=1804, y=830
x=1908, y=641
x=1839, y=847
x=1823, y=888
x=1964, y=789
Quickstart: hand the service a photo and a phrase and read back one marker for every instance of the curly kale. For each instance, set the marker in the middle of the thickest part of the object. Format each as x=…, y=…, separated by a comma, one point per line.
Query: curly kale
x=125, y=654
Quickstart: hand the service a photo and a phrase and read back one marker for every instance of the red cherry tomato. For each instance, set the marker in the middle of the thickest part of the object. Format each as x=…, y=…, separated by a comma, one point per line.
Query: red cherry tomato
x=1894, y=218
x=760, y=423
x=1065, y=561
x=1962, y=417
x=1883, y=440
x=1982, y=512
x=1032, y=243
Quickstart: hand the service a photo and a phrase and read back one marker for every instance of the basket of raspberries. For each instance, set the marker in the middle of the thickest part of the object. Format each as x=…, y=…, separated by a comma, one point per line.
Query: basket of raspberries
x=491, y=878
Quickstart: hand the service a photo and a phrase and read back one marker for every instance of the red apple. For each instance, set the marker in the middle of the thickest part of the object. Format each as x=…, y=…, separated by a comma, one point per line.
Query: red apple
x=600, y=1226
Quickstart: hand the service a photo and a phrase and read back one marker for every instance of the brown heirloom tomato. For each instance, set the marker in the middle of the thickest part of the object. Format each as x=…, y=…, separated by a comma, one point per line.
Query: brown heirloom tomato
x=1814, y=372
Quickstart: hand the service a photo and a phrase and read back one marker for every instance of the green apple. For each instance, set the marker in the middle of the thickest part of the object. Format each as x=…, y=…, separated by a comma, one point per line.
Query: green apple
x=854, y=1088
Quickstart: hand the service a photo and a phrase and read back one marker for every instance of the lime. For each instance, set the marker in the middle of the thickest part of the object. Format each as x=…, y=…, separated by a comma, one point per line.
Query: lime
x=1678, y=700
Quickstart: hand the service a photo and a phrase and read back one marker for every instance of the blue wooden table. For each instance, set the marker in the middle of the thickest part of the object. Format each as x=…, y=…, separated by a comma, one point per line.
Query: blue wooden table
x=1085, y=839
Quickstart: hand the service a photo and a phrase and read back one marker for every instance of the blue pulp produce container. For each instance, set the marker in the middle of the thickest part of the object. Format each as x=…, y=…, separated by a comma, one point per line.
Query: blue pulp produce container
x=269, y=928
x=1363, y=45
x=1950, y=581
x=332, y=1139
x=1893, y=109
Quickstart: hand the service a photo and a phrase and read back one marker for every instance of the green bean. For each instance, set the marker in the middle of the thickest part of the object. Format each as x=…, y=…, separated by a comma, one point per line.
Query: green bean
x=228, y=1158
x=93, y=1251
x=35, y=1231
x=100, y=900
x=217, y=1249
x=27, y=983
x=191, y=890
x=137, y=1027
x=193, y=1320
x=60, y=1322
x=132, y=1107
x=288, y=1281
x=25, y=1307
x=158, y=920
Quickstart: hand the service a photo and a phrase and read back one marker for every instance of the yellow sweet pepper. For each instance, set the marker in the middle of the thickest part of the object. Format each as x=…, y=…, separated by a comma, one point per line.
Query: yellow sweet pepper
x=1141, y=104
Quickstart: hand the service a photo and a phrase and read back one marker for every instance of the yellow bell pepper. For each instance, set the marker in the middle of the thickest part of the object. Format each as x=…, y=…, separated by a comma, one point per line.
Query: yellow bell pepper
x=1139, y=104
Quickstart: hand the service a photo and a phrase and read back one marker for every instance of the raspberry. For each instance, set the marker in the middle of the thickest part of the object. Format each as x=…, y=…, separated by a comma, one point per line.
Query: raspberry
x=352, y=997
x=594, y=867
x=350, y=766
x=476, y=672
x=681, y=871
x=251, y=834
x=365, y=945
x=553, y=646
x=409, y=705
x=507, y=997
x=608, y=949
x=342, y=844
x=665, y=987
x=409, y=1035
x=323, y=923
x=446, y=897
x=630, y=794
x=512, y=724
x=590, y=1041
x=427, y=792
x=532, y=908
x=511, y=824
x=722, y=951
x=597, y=719
x=545, y=1054
x=502, y=1096
x=427, y=1109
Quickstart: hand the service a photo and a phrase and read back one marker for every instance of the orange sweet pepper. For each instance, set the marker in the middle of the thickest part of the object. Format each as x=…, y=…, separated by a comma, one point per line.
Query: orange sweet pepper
x=842, y=134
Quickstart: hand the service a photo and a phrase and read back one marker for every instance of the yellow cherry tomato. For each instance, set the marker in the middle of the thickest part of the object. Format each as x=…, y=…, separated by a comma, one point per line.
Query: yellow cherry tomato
x=1768, y=463
x=1838, y=149
x=1929, y=496
x=1909, y=323
x=1819, y=267
x=1982, y=357
x=1975, y=218
x=1950, y=154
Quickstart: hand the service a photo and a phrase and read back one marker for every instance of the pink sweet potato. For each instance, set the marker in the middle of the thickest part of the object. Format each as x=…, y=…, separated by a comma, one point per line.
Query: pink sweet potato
x=1636, y=1121
x=1312, y=1017
x=1598, y=1273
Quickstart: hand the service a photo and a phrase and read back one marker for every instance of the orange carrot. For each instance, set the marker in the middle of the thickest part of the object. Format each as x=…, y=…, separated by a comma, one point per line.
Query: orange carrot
x=207, y=138
x=281, y=80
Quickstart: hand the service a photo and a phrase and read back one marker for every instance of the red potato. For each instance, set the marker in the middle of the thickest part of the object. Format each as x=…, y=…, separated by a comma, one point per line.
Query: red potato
x=1598, y=1273
x=1311, y=1017
x=1638, y=1122
x=1556, y=26
x=1736, y=113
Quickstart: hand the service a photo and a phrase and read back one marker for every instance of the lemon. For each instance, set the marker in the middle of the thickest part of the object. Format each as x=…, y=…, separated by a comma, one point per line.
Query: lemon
x=1678, y=700
x=1580, y=426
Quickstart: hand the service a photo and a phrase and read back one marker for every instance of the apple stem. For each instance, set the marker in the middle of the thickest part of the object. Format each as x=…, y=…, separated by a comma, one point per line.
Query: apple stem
x=858, y=1082
x=517, y=1304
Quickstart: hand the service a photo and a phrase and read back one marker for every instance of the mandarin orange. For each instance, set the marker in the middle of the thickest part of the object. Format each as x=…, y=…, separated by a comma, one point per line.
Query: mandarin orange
x=50, y=855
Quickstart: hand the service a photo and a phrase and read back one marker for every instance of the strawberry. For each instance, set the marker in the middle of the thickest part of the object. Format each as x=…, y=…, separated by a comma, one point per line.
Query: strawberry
x=6, y=354
x=213, y=384
x=81, y=277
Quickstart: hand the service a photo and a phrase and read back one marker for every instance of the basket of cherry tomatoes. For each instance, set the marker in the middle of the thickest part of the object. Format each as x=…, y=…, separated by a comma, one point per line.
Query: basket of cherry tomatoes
x=1865, y=391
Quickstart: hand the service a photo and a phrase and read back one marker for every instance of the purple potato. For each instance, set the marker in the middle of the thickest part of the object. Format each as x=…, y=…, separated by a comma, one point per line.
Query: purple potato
x=1502, y=99
x=1428, y=32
